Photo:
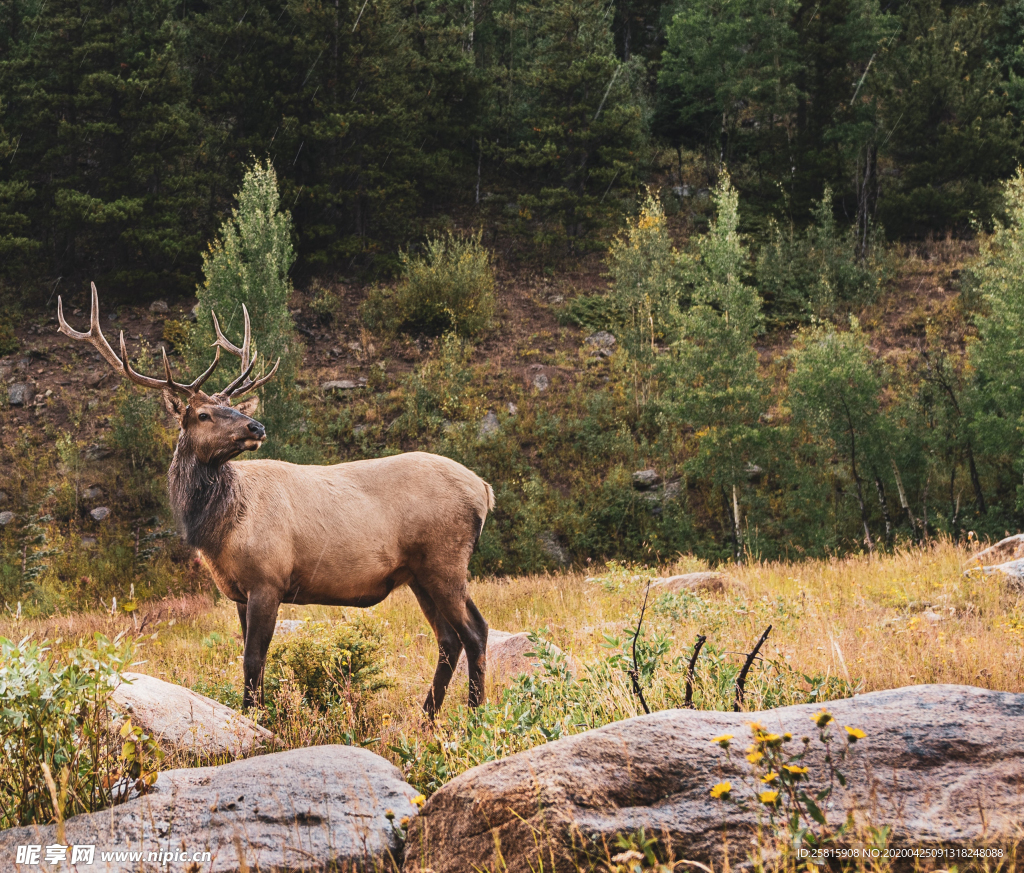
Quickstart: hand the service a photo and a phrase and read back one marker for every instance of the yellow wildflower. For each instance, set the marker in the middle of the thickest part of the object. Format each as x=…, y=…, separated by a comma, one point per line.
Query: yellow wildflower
x=419, y=800
x=405, y=821
x=770, y=739
x=768, y=798
x=821, y=718
x=854, y=734
x=723, y=740
x=793, y=770
x=754, y=757
x=757, y=727
x=769, y=778
x=721, y=790
x=389, y=814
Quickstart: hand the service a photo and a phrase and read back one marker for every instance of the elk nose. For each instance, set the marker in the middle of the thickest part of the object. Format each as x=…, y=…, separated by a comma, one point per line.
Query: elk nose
x=257, y=429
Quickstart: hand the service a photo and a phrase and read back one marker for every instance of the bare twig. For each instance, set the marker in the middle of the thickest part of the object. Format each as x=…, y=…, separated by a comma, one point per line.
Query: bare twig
x=741, y=680
x=634, y=674
x=701, y=639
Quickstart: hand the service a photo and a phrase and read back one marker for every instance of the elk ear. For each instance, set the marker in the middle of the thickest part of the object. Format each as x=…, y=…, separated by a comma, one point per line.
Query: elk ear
x=175, y=405
x=248, y=407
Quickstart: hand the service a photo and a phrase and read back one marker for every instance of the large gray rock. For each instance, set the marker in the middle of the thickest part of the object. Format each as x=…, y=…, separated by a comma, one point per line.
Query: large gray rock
x=941, y=764
x=20, y=393
x=553, y=548
x=6, y=518
x=1009, y=549
x=100, y=513
x=340, y=385
x=643, y=480
x=489, y=424
x=307, y=809
x=185, y=719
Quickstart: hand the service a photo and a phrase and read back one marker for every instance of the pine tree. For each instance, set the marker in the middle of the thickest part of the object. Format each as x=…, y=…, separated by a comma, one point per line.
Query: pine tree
x=717, y=389
x=248, y=265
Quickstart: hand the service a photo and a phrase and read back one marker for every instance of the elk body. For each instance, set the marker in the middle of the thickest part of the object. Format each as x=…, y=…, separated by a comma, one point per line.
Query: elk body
x=271, y=532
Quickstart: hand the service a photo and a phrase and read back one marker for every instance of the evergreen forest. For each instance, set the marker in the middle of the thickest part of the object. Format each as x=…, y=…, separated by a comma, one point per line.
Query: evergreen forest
x=774, y=250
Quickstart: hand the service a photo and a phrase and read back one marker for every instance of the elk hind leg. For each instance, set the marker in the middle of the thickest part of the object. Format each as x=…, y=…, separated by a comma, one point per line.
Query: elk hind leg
x=260, y=621
x=461, y=613
x=449, y=647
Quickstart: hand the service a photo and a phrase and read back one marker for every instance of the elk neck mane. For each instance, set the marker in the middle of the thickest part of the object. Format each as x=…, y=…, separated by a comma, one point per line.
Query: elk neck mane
x=202, y=498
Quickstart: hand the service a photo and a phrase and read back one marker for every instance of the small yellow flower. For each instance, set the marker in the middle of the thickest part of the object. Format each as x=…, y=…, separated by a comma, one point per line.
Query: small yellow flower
x=405, y=821
x=389, y=814
x=787, y=737
x=721, y=790
x=419, y=800
x=754, y=757
x=793, y=770
x=821, y=718
x=854, y=734
x=770, y=739
x=769, y=778
x=723, y=740
x=768, y=798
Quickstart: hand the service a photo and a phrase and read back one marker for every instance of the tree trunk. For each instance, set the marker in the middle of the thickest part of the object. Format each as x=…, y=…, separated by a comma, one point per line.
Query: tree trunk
x=979, y=497
x=880, y=488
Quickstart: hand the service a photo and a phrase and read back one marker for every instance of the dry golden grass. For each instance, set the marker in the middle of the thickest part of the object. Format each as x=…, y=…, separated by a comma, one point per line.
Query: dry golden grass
x=870, y=620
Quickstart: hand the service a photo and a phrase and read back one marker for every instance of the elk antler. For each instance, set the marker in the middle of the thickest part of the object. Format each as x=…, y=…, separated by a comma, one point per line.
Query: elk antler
x=243, y=384
x=94, y=336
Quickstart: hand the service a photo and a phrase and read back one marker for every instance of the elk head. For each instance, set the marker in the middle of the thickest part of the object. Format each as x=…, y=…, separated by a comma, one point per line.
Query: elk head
x=211, y=428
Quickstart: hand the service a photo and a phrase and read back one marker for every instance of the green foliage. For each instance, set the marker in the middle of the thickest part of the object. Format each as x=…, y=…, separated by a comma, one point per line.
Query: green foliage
x=53, y=718
x=834, y=393
x=8, y=341
x=249, y=265
x=998, y=355
x=644, y=291
x=716, y=387
x=450, y=288
x=137, y=430
x=331, y=662
x=815, y=273
x=440, y=391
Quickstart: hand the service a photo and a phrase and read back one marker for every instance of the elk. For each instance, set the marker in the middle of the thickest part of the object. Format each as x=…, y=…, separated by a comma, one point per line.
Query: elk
x=271, y=532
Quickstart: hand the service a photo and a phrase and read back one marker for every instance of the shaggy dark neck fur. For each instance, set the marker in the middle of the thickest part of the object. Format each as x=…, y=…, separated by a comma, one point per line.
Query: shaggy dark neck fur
x=201, y=497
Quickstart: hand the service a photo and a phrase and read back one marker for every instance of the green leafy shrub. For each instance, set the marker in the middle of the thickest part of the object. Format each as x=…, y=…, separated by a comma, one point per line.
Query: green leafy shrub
x=54, y=724
x=136, y=429
x=439, y=391
x=177, y=334
x=812, y=274
x=8, y=341
x=331, y=661
x=450, y=288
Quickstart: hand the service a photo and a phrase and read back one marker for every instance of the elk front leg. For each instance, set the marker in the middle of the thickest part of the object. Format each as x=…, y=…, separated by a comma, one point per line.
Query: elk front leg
x=242, y=607
x=258, y=624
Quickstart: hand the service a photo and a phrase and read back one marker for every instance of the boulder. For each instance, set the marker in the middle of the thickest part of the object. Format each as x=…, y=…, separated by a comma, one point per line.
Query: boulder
x=553, y=548
x=93, y=492
x=158, y=307
x=6, y=518
x=339, y=385
x=541, y=382
x=1009, y=549
x=20, y=393
x=508, y=655
x=184, y=719
x=644, y=480
x=307, y=809
x=706, y=580
x=1012, y=570
x=488, y=425
x=601, y=340
x=941, y=764
x=100, y=513
x=97, y=452
x=96, y=379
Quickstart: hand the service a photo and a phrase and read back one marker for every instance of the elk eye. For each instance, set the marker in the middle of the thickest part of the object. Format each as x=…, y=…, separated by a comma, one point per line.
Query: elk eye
x=203, y=416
